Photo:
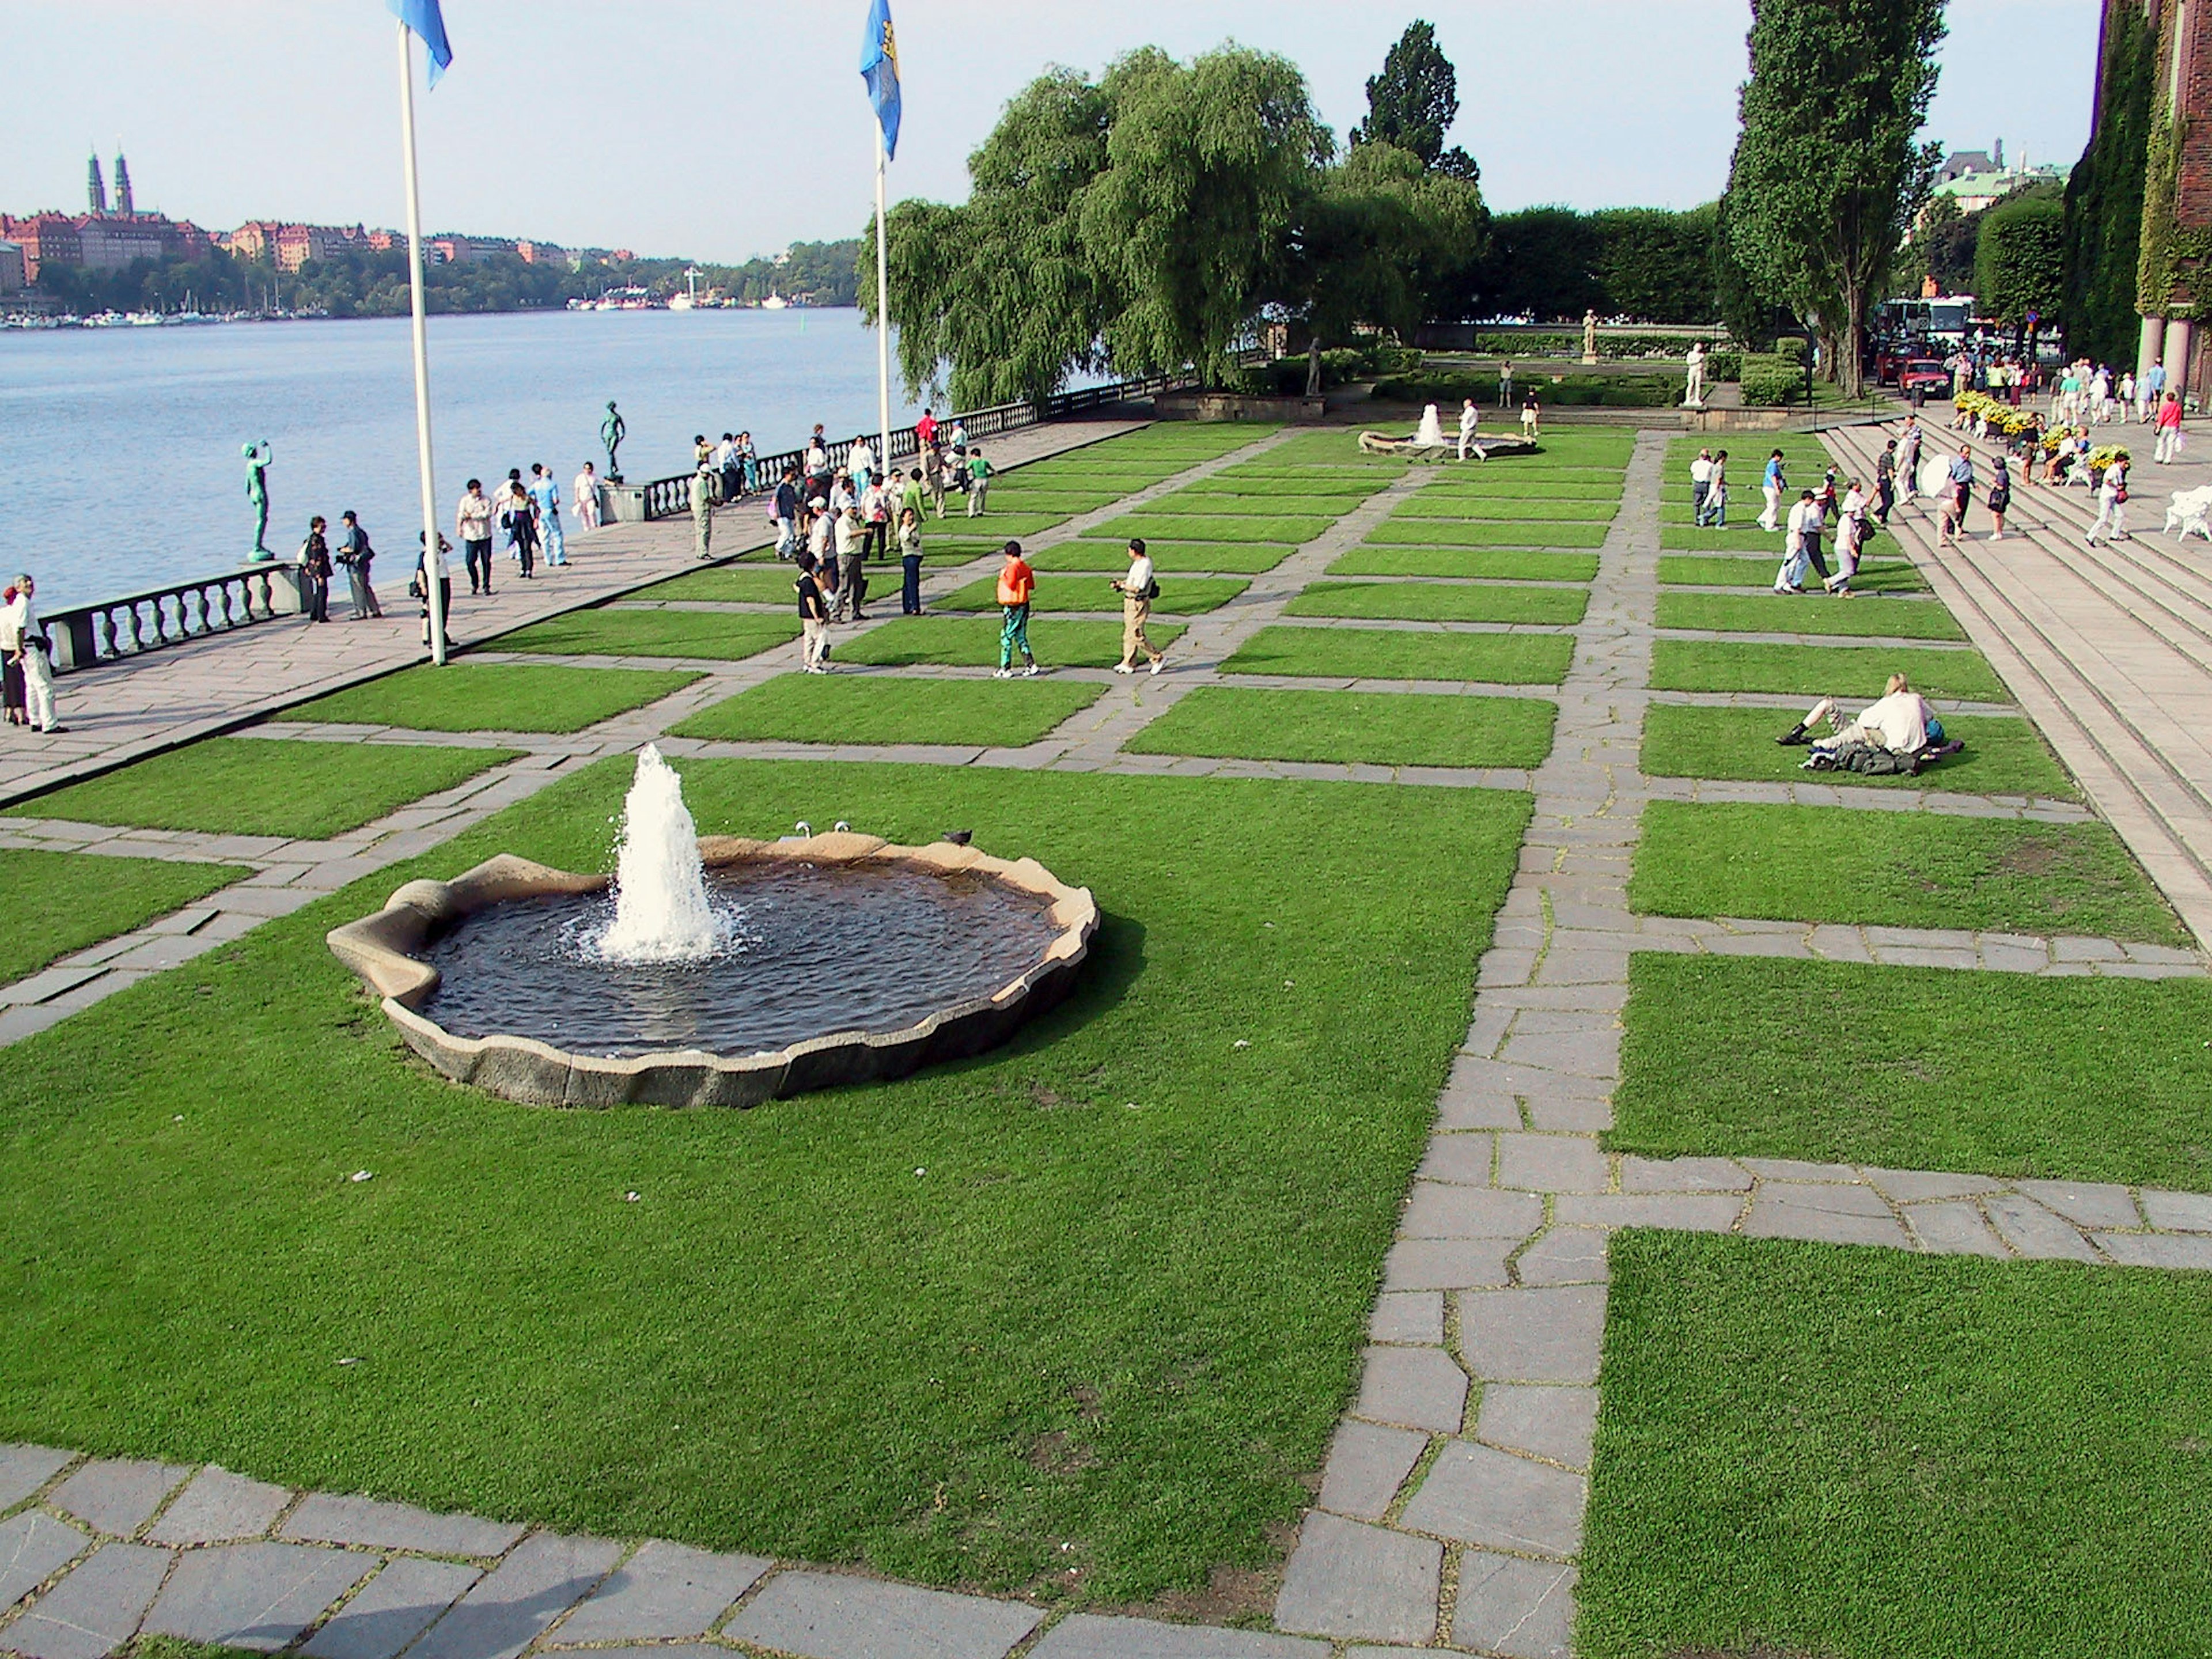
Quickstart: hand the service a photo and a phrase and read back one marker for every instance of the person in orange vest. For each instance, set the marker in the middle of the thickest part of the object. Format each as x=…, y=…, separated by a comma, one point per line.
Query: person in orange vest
x=1017, y=587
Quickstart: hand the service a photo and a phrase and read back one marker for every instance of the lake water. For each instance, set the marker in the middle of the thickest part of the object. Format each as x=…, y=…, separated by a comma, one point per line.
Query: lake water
x=119, y=462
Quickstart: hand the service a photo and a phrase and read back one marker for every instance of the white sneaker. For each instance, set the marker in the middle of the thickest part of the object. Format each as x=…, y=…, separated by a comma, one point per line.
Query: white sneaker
x=1123, y=668
x=1003, y=674
x=1032, y=672
x=1158, y=662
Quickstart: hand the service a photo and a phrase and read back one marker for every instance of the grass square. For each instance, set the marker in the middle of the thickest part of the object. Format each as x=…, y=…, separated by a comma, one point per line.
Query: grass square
x=973, y=642
x=1401, y=530
x=1874, y=1455
x=1092, y=553
x=494, y=697
x=1395, y=654
x=1132, y=1280
x=1038, y=501
x=1492, y=602
x=1271, y=504
x=1834, y=864
x=266, y=786
x=994, y=522
x=1917, y=1068
x=2004, y=755
x=714, y=636
x=1202, y=527
x=59, y=903
x=876, y=708
x=1376, y=728
x=1798, y=613
x=1820, y=671
x=1742, y=536
x=1497, y=564
x=1506, y=489
x=1435, y=503
x=1180, y=596
x=1726, y=570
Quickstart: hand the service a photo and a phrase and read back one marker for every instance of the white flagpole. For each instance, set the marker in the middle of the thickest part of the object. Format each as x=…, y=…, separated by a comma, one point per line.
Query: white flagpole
x=433, y=566
x=883, y=318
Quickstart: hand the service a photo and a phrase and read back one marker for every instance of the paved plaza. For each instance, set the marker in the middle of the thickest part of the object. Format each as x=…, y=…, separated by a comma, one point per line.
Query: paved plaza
x=1449, y=1511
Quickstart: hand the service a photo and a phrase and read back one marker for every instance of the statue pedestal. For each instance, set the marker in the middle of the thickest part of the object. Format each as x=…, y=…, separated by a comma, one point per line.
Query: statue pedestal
x=622, y=503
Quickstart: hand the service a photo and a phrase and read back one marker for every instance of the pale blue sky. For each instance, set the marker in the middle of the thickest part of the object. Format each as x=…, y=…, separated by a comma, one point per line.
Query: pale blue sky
x=723, y=130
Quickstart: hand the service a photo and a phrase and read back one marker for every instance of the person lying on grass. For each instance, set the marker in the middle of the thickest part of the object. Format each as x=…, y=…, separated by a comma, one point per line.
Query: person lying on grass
x=1898, y=734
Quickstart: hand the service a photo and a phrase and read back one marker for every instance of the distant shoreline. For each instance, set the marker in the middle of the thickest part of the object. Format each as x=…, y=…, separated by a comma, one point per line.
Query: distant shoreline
x=24, y=323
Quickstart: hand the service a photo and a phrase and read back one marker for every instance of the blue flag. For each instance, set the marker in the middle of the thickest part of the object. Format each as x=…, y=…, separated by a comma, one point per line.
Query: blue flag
x=429, y=23
x=879, y=69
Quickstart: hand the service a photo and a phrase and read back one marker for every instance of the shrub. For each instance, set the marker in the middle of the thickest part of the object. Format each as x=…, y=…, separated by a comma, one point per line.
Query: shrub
x=1792, y=346
x=1723, y=365
x=1773, y=379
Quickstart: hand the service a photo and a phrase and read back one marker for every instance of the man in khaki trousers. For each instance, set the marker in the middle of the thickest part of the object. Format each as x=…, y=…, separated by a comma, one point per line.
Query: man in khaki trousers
x=1138, y=590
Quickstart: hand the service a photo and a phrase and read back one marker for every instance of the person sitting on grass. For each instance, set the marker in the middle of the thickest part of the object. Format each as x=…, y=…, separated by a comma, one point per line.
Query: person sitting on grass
x=1899, y=734
x=1017, y=588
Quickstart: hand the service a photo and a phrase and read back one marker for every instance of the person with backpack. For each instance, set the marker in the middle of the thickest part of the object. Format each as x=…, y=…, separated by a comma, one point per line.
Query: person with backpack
x=315, y=573
x=518, y=518
x=355, y=555
x=1138, y=589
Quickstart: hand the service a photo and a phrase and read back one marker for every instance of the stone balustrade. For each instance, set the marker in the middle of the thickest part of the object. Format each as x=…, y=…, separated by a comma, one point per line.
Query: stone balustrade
x=86, y=636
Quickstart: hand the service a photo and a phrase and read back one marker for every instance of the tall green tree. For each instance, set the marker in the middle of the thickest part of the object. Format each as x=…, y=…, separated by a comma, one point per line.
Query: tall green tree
x=2105, y=195
x=1827, y=171
x=2019, y=264
x=1413, y=102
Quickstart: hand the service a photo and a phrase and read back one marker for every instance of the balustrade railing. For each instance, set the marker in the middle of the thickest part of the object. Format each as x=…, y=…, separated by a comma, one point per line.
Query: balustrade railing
x=665, y=497
x=86, y=636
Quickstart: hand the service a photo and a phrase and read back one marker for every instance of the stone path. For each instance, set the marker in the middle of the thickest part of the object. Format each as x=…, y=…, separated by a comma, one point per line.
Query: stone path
x=1450, y=1508
x=128, y=710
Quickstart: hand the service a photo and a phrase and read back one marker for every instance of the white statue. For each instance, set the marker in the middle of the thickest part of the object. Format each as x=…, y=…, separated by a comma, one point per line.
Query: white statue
x=1431, y=430
x=1589, y=337
x=1694, y=396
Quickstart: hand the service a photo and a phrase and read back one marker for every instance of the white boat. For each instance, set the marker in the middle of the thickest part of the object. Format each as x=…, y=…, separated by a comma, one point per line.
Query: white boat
x=774, y=302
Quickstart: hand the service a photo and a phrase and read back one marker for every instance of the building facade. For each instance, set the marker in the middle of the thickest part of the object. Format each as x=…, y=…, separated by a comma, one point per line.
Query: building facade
x=2173, y=276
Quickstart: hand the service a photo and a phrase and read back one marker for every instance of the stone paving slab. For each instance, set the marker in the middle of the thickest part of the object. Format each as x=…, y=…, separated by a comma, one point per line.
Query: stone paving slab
x=396, y=1607
x=118, y=1495
x=1416, y=1316
x=1516, y=1608
x=1088, y=1636
x=1367, y=1463
x=327, y=1519
x=1348, y=1580
x=24, y=1469
x=663, y=1591
x=1416, y=1388
x=512, y=1605
x=258, y=1596
x=33, y=1546
x=1556, y=1422
x=218, y=1506
x=833, y=1616
x=1533, y=1335
x=95, y=1610
x=1476, y=1494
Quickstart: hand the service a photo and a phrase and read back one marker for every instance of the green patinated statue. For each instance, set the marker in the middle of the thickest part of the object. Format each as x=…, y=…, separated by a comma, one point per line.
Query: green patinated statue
x=613, y=431
x=257, y=457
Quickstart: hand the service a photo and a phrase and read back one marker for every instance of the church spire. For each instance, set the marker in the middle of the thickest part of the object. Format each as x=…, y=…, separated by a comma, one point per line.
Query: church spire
x=121, y=182
x=96, y=189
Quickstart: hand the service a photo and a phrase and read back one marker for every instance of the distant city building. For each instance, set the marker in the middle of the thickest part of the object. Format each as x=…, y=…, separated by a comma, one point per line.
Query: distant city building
x=533, y=253
x=96, y=187
x=12, y=274
x=101, y=239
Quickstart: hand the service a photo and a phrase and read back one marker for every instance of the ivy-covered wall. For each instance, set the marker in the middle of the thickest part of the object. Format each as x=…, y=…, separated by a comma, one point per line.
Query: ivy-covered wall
x=2104, y=196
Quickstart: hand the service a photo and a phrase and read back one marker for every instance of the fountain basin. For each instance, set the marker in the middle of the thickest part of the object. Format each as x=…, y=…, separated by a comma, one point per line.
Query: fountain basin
x=1414, y=449
x=388, y=951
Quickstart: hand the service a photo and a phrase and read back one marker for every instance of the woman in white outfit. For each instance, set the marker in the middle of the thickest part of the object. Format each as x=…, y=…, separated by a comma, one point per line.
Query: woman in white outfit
x=584, y=495
x=25, y=638
x=2111, y=523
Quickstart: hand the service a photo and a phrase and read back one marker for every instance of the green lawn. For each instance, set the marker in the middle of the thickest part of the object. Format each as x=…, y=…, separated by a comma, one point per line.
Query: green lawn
x=810, y=708
x=1779, y=613
x=2003, y=756
x=1815, y=670
x=496, y=696
x=1180, y=596
x=728, y=584
x=994, y=521
x=1392, y=653
x=1497, y=602
x=1089, y=553
x=1038, y=499
x=266, y=786
x=974, y=640
x=1221, y=527
x=1107, y=1286
x=1723, y=570
x=1507, y=489
x=1437, y=503
x=64, y=902
x=1820, y=864
x=1446, y=532
x=1919, y=1068
x=1378, y=728
x=1806, y=1448
x=723, y=636
x=1311, y=491
x=1742, y=536
x=1497, y=564
x=1273, y=504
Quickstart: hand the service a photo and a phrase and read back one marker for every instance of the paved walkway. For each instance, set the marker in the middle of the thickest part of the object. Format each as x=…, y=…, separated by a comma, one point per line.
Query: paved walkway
x=2109, y=650
x=1451, y=1503
x=128, y=710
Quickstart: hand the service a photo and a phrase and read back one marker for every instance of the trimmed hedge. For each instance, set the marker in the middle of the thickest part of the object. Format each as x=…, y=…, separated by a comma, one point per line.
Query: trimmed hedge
x=1445, y=387
x=1773, y=379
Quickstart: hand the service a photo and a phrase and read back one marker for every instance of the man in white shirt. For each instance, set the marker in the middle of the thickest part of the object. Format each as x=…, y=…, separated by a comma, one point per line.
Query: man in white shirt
x=1136, y=589
x=1701, y=482
x=472, y=529
x=860, y=462
x=1803, y=525
x=1467, y=417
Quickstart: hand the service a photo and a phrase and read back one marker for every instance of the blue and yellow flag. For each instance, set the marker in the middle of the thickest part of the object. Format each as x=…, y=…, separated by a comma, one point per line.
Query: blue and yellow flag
x=879, y=69
x=428, y=25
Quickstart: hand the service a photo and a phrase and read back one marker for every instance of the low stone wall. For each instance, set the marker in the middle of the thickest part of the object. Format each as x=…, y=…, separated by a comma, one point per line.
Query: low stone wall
x=1233, y=406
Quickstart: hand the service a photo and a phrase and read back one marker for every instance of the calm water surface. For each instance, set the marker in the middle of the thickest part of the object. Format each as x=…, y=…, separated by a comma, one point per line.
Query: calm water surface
x=120, y=463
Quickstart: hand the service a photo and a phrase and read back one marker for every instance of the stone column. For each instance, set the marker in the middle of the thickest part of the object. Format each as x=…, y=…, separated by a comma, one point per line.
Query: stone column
x=2178, y=333
x=2151, y=348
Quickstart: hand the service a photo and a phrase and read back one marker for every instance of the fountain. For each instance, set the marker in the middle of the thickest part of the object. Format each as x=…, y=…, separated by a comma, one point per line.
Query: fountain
x=1430, y=442
x=717, y=971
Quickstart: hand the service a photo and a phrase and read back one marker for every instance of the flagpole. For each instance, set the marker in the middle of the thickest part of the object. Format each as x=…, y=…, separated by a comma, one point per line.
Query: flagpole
x=433, y=591
x=883, y=316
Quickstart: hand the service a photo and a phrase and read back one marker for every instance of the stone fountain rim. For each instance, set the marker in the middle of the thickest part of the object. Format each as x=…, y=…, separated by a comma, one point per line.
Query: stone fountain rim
x=379, y=948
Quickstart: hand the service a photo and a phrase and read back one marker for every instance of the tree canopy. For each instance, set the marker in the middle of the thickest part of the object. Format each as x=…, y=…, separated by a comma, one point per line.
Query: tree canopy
x=1827, y=171
x=2020, y=261
x=1413, y=102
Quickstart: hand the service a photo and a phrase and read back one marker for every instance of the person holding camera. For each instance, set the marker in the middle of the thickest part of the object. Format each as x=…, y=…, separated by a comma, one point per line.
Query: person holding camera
x=1138, y=589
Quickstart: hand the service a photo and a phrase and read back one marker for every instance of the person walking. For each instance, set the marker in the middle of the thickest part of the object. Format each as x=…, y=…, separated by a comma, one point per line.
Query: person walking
x=1885, y=482
x=748, y=466
x=30, y=675
x=1531, y=417
x=909, y=543
x=704, y=482
x=2000, y=493
x=437, y=568
x=1772, y=483
x=818, y=464
x=821, y=532
x=875, y=506
x=2169, y=429
x=852, y=554
x=727, y=463
x=860, y=462
x=315, y=573
x=783, y=512
x=925, y=429
x=584, y=493
x=545, y=497
x=914, y=494
x=1468, y=417
x=1701, y=484
x=1017, y=588
x=2111, y=523
x=1908, y=457
x=813, y=624
x=1717, y=493
x=979, y=482
x=1138, y=589
x=355, y=555
x=509, y=496
x=1798, y=535
x=472, y=529
x=13, y=604
x=518, y=518
x=1850, y=535
x=1505, y=385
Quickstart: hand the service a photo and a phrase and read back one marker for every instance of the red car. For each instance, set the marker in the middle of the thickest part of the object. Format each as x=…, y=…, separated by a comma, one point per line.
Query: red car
x=1924, y=377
